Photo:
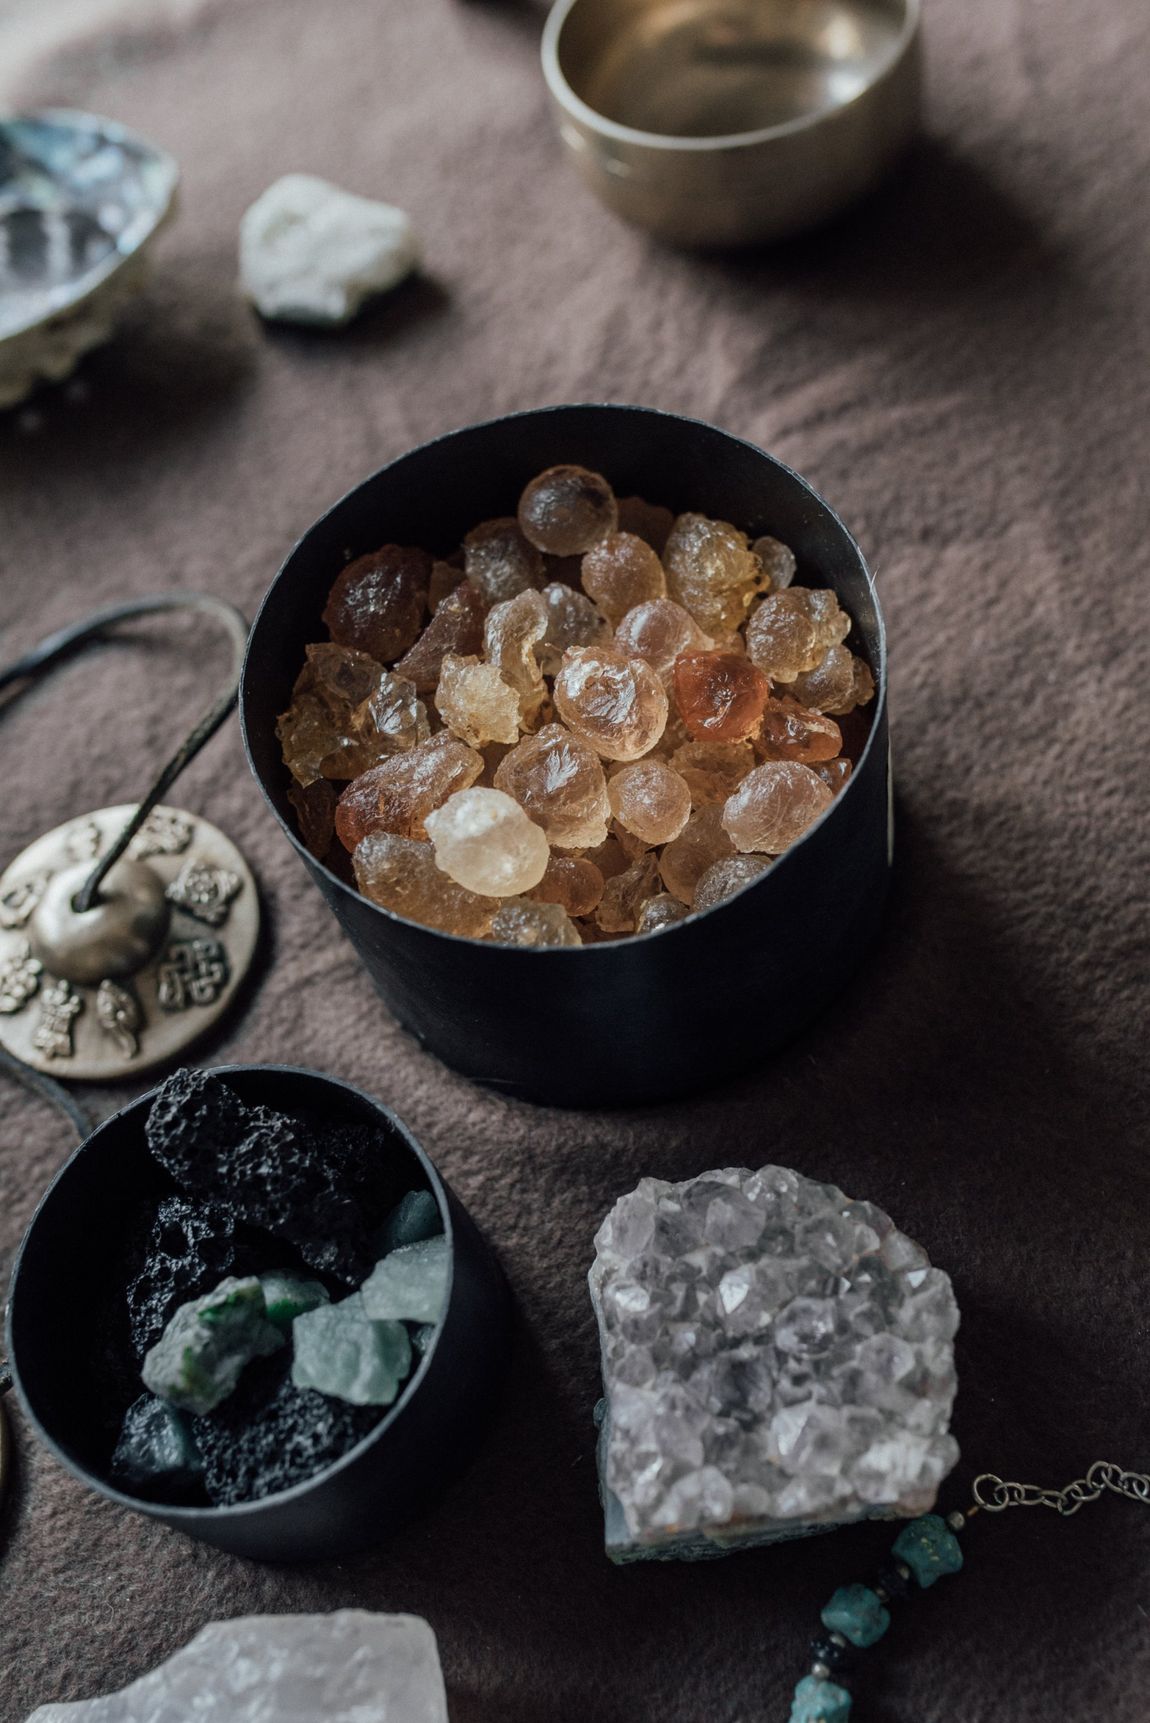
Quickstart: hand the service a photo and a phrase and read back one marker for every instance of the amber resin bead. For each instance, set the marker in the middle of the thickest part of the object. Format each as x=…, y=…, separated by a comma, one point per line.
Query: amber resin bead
x=724, y=878
x=573, y=882
x=702, y=842
x=558, y=780
x=379, y=601
x=476, y=703
x=620, y=572
x=712, y=770
x=720, y=695
x=712, y=571
x=649, y=521
x=793, y=732
x=650, y=800
x=791, y=631
x=400, y=874
x=499, y=561
x=456, y=627
x=625, y=894
x=567, y=509
x=397, y=795
x=774, y=805
x=615, y=703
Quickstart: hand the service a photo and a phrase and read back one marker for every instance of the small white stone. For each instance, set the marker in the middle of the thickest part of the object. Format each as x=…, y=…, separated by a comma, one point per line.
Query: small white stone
x=312, y=253
x=347, y=1667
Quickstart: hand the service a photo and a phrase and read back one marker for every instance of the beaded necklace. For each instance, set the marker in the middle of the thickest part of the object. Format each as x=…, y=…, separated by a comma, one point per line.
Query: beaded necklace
x=927, y=1550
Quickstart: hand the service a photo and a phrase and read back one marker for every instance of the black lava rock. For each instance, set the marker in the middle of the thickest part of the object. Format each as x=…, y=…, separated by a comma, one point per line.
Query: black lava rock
x=269, y=1435
x=192, y=1246
x=317, y=1188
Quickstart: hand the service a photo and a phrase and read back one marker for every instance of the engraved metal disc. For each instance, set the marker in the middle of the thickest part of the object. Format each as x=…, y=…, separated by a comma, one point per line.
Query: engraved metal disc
x=155, y=963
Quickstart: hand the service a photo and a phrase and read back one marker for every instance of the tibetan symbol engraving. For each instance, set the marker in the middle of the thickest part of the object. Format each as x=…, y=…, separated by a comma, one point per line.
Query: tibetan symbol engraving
x=205, y=891
x=193, y=972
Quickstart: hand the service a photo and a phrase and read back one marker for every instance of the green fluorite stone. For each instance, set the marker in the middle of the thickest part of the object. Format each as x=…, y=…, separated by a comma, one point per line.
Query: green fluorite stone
x=415, y=1217
x=819, y=1701
x=856, y=1613
x=410, y=1284
x=197, y=1360
x=288, y=1296
x=929, y=1548
x=341, y=1351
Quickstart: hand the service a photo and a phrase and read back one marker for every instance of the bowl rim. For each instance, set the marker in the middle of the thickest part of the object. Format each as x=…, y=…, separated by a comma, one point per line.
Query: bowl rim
x=181, y=1513
x=567, y=97
x=627, y=941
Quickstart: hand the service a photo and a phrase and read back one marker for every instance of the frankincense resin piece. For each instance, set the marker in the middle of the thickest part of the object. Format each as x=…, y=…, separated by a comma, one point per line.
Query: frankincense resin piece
x=834, y=773
x=485, y=842
x=400, y=874
x=702, y=842
x=659, y=631
x=523, y=921
x=558, y=780
x=724, y=878
x=838, y=683
x=511, y=634
x=791, y=632
x=620, y=572
x=567, y=509
x=615, y=703
x=397, y=795
x=649, y=521
x=650, y=799
x=625, y=894
x=712, y=571
x=573, y=882
x=456, y=627
x=315, y=732
x=476, y=703
x=662, y=910
x=572, y=620
x=499, y=561
x=712, y=770
x=315, y=811
x=778, y=561
x=391, y=719
x=720, y=695
x=793, y=732
x=379, y=601
x=774, y=805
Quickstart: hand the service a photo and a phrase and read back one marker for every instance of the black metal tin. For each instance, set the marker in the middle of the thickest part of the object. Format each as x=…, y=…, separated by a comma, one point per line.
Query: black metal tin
x=75, y=1243
x=642, y=1019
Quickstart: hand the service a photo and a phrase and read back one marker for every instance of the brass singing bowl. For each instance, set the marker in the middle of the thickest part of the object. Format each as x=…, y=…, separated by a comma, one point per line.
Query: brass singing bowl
x=733, y=122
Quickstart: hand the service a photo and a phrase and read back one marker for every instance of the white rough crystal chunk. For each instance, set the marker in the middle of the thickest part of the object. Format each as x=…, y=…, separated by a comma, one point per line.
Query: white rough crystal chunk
x=348, y=1667
x=409, y=1284
x=776, y=1358
x=312, y=253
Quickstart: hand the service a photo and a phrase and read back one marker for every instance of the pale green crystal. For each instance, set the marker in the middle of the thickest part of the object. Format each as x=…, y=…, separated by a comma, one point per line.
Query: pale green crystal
x=288, y=1296
x=422, y=1336
x=410, y=1284
x=340, y=1350
x=415, y=1217
x=198, y=1359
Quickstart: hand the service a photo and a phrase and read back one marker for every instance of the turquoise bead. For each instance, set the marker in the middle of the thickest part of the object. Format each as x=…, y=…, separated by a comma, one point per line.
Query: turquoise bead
x=929, y=1549
x=819, y=1701
x=856, y=1613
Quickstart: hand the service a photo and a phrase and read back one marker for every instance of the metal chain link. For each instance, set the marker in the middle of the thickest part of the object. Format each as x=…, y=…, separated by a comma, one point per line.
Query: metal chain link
x=995, y=1495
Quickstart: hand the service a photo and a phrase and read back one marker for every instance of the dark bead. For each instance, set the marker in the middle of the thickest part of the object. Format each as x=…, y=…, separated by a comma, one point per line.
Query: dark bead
x=894, y=1578
x=836, y=1652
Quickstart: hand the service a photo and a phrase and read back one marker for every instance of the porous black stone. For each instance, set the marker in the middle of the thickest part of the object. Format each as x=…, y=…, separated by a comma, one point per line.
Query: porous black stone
x=191, y=1247
x=315, y=1187
x=269, y=1435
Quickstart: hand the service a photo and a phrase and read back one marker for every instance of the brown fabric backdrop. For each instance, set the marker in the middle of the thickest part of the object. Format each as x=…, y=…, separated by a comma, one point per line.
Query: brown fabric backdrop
x=960, y=366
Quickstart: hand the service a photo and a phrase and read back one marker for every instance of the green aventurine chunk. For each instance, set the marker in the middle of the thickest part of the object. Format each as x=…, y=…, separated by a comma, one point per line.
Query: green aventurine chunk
x=410, y=1284
x=155, y=1446
x=415, y=1217
x=198, y=1359
x=340, y=1351
x=288, y=1296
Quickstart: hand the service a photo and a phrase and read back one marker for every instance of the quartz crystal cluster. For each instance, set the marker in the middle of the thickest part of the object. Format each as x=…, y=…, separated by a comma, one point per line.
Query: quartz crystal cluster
x=591, y=719
x=347, y=1667
x=270, y=1324
x=776, y=1359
